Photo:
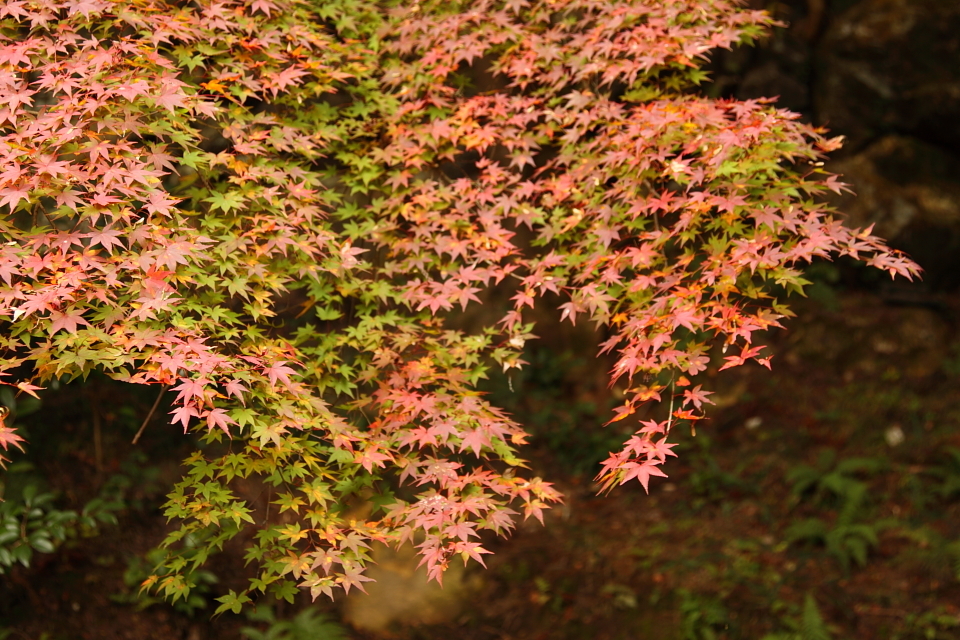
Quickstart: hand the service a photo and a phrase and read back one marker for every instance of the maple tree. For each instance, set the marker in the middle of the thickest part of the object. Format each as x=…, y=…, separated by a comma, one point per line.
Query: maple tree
x=272, y=208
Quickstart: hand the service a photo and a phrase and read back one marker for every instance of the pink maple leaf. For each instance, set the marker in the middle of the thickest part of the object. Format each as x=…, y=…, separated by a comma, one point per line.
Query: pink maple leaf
x=68, y=321
x=696, y=396
x=183, y=415
x=642, y=472
x=12, y=197
x=279, y=371
x=30, y=389
x=218, y=418
x=353, y=577
x=235, y=388
x=8, y=436
x=475, y=441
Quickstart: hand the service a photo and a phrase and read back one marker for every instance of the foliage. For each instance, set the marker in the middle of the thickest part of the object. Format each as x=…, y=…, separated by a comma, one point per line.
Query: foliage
x=808, y=626
x=31, y=523
x=549, y=393
x=701, y=618
x=306, y=625
x=947, y=472
x=707, y=479
x=933, y=625
x=834, y=483
x=140, y=569
x=848, y=542
x=274, y=207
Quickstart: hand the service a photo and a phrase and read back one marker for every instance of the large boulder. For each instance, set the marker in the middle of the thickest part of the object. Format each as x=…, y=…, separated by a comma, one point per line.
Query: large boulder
x=891, y=66
x=910, y=190
x=402, y=596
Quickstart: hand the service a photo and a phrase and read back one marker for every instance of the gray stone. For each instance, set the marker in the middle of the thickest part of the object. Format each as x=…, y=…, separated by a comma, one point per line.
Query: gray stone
x=910, y=190
x=887, y=66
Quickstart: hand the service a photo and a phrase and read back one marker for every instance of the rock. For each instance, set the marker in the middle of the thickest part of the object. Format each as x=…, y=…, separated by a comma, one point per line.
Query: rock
x=911, y=191
x=769, y=80
x=402, y=595
x=886, y=66
x=779, y=65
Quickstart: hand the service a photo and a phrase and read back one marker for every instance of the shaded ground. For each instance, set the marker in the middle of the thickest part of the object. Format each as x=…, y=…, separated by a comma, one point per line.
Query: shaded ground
x=831, y=477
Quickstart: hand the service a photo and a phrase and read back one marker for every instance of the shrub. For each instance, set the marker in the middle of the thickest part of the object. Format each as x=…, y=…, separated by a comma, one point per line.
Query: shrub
x=273, y=208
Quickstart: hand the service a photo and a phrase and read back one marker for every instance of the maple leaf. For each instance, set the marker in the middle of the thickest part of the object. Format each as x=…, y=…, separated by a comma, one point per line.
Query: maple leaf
x=642, y=472
x=9, y=437
x=190, y=389
x=29, y=389
x=474, y=440
x=107, y=238
x=470, y=550
x=183, y=414
x=236, y=389
x=696, y=396
x=622, y=413
x=352, y=576
x=280, y=81
x=833, y=183
x=570, y=310
x=218, y=418
x=67, y=321
x=11, y=196
x=279, y=372
x=171, y=96
x=746, y=353
x=660, y=450
x=370, y=458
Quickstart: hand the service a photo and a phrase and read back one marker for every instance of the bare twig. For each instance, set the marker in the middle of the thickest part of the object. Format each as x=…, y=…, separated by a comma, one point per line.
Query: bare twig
x=153, y=410
x=97, y=439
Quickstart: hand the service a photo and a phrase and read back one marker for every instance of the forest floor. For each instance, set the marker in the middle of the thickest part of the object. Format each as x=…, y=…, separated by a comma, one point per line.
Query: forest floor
x=819, y=501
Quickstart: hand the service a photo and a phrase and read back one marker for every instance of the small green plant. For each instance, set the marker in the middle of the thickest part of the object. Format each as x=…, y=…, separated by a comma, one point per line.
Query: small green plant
x=847, y=542
x=551, y=394
x=708, y=480
x=931, y=554
x=937, y=624
x=832, y=483
x=947, y=473
x=950, y=365
x=32, y=523
x=701, y=617
x=306, y=625
x=808, y=625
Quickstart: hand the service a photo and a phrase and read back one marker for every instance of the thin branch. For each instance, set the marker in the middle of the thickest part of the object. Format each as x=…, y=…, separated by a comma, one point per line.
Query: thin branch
x=153, y=410
x=97, y=440
x=670, y=417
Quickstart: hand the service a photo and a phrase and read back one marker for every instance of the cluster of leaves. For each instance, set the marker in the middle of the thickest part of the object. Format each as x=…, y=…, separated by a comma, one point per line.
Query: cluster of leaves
x=31, y=523
x=271, y=208
x=809, y=625
x=849, y=540
x=306, y=625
